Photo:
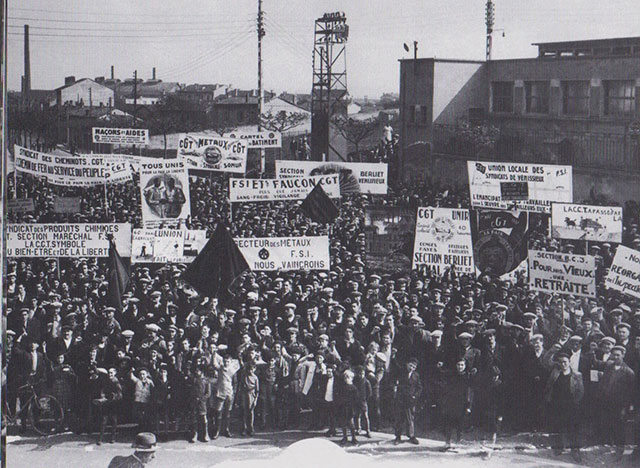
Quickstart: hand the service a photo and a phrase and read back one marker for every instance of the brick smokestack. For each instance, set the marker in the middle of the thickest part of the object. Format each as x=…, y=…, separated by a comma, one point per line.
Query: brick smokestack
x=112, y=73
x=154, y=73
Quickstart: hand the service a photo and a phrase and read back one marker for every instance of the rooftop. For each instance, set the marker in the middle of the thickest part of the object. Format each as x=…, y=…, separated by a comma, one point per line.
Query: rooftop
x=612, y=47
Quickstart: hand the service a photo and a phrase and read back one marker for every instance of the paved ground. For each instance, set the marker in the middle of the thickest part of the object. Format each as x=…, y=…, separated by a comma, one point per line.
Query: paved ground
x=302, y=449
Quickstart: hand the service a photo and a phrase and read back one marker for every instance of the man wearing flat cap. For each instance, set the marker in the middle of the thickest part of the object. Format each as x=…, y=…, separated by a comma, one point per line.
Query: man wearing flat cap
x=617, y=391
x=408, y=389
x=145, y=447
x=563, y=393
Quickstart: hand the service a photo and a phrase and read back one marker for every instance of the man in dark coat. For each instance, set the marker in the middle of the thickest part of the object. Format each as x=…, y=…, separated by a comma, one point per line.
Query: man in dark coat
x=145, y=450
x=456, y=400
x=564, y=392
x=407, y=389
x=617, y=394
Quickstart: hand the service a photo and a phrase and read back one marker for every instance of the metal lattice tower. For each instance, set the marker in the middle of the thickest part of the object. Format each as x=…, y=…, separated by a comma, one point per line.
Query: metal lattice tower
x=329, y=92
x=489, y=17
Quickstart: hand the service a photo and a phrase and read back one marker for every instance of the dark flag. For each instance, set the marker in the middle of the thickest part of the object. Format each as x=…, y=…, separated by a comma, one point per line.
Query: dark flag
x=319, y=207
x=217, y=266
x=118, y=277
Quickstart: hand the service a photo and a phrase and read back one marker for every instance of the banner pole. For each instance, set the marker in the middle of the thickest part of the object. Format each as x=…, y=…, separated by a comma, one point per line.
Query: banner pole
x=106, y=200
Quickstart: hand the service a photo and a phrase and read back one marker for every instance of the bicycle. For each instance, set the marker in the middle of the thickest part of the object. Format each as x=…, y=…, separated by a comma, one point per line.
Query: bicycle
x=44, y=411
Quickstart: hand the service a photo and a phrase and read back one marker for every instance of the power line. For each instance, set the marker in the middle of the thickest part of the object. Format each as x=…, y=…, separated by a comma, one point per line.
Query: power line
x=53, y=28
x=108, y=36
x=103, y=13
x=49, y=20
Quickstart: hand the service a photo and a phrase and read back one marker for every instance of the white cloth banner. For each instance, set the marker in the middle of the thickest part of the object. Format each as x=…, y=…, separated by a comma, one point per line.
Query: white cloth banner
x=212, y=153
x=266, y=139
x=122, y=136
x=586, y=222
x=295, y=188
x=69, y=170
x=67, y=240
x=164, y=189
x=286, y=253
x=515, y=186
x=624, y=273
x=562, y=273
x=354, y=177
x=166, y=245
x=443, y=239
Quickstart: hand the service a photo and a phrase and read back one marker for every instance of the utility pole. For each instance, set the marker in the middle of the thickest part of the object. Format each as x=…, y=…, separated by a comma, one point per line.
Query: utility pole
x=135, y=98
x=489, y=20
x=261, y=32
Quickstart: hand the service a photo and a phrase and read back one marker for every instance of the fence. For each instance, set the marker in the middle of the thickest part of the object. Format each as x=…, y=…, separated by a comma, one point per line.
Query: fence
x=594, y=150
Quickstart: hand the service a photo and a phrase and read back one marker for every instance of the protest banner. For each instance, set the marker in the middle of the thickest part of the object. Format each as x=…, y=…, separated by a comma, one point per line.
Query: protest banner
x=286, y=253
x=562, y=273
x=256, y=190
x=500, y=240
x=586, y=222
x=545, y=184
x=166, y=245
x=121, y=136
x=21, y=205
x=265, y=139
x=67, y=240
x=164, y=189
x=624, y=273
x=210, y=153
x=389, y=237
x=354, y=177
x=443, y=239
x=67, y=205
x=80, y=170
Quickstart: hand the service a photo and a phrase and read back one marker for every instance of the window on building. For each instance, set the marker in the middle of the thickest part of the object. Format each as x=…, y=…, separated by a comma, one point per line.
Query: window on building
x=537, y=95
x=575, y=97
x=502, y=96
x=619, y=98
x=412, y=114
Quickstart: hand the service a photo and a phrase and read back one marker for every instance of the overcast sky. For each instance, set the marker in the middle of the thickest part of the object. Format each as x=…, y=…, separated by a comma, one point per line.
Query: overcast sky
x=214, y=41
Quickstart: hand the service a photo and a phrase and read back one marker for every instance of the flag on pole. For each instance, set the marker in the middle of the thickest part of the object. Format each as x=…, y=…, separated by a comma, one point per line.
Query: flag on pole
x=217, y=265
x=118, y=277
x=319, y=207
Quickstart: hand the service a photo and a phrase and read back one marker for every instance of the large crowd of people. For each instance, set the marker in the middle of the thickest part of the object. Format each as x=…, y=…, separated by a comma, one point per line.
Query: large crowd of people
x=347, y=351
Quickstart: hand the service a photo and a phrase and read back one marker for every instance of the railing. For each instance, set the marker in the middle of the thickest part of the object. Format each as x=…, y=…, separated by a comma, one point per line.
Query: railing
x=588, y=149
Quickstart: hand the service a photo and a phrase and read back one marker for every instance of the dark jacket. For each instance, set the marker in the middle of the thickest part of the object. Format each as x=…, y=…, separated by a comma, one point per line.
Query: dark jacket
x=576, y=387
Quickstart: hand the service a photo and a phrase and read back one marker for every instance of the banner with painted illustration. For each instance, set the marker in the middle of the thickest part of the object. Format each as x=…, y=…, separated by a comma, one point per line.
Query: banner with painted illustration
x=286, y=253
x=442, y=240
x=517, y=186
x=499, y=240
x=258, y=190
x=562, y=273
x=67, y=240
x=624, y=273
x=354, y=177
x=211, y=153
x=586, y=222
x=389, y=237
x=166, y=245
x=264, y=139
x=164, y=189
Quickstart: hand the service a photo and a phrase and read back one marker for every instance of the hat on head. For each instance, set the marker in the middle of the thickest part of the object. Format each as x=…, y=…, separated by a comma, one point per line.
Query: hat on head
x=152, y=327
x=413, y=360
x=145, y=442
x=608, y=339
x=290, y=305
x=465, y=335
x=619, y=348
x=128, y=333
x=436, y=333
x=537, y=337
x=575, y=338
x=623, y=325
